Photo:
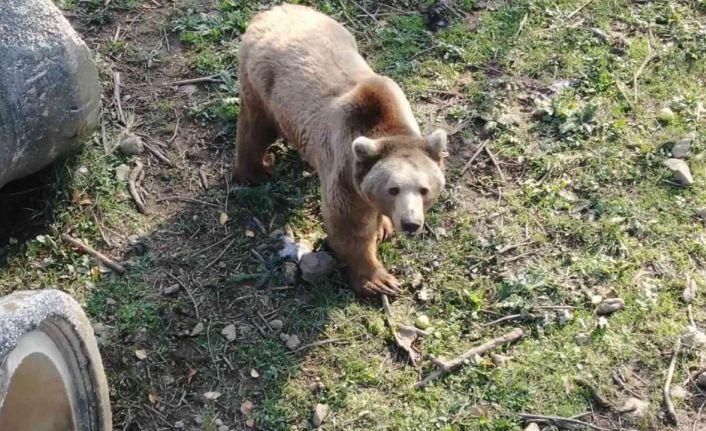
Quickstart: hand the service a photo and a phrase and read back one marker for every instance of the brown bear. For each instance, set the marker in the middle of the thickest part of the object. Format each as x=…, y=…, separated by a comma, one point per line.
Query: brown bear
x=302, y=78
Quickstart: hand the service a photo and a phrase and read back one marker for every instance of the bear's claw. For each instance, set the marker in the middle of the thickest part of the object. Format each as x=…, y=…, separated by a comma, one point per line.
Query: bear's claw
x=381, y=282
x=385, y=230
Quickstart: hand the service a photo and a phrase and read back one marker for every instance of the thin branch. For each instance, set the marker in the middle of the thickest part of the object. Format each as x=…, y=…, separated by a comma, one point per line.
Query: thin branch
x=212, y=78
x=473, y=157
x=132, y=187
x=445, y=367
x=321, y=343
x=188, y=292
x=668, y=383
x=108, y=262
x=116, y=97
x=650, y=56
x=579, y=9
x=220, y=255
x=495, y=163
x=558, y=420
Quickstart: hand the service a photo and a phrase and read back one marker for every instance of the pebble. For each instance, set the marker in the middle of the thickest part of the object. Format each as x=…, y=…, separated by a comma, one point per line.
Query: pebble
x=229, y=333
x=293, y=342
x=422, y=322
x=680, y=170
x=564, y=316
x=276, y=324
x=289, y=273
x=610, y=305
x=320, y=413
x=131, y=145
x=498, y=360
x=122, y=172
x=666, y=115
x=171, y=290
x=316, y=387
x=693, y=337
x=284, y=337
x=532, y=427
x=580, y=339
x=197, y=329
x=223, y=428
x=316, y=266
x=682, y=147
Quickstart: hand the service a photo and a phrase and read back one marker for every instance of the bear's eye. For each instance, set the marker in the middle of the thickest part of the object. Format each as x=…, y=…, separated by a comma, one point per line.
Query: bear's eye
x=394, y=191
x=424, y=191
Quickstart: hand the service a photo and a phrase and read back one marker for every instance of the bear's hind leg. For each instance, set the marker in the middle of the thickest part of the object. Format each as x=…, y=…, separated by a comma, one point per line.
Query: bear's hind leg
x=255, y=134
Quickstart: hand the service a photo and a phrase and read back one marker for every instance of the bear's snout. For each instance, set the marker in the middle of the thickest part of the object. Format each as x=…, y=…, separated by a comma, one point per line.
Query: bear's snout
x=411, y=227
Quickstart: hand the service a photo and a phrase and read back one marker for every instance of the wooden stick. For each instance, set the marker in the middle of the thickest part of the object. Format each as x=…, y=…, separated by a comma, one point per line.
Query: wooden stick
x=503, y=319
x=116, y=96
x=108, y=262
x=579, y=9
x=132, y=187
x=445, y=367
x=211, y=78
x=557, y=420
x=668, y=383
x=220, y=255
x=650, y=56
x=158, y=154
x=188, y=292
x=495, y=163
x=473, y=157
x=104, y=237
x=321, y=343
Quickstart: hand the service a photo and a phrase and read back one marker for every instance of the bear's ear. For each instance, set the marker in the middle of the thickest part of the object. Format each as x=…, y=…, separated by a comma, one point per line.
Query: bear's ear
x=365, y=148
x=436, y=145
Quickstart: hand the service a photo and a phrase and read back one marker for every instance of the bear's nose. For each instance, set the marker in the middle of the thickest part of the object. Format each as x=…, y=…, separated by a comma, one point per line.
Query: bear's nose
x=410, y=226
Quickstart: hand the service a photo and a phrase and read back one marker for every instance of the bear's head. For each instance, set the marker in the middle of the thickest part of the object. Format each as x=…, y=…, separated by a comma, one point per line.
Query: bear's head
x=401, y=176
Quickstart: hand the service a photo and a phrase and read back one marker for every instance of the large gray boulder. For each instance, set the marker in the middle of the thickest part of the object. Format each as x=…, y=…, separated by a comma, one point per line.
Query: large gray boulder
x=49, y=87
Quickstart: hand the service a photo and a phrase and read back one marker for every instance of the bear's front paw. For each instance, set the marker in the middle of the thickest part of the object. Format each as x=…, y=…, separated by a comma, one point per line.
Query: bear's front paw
x=385, y=230
x=376, y=283
x=253, y=173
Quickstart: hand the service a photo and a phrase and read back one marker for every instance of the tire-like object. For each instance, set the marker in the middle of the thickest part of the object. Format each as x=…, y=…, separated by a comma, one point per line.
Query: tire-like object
x=51, y=373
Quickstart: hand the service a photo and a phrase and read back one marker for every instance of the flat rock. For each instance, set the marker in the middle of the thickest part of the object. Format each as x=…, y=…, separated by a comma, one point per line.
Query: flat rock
x=610, y=305
x=49, y=84
x=680, y=170
x=316, y=266
x=293, y=342
x=229, y=332
x=682, y=147
x=320, y=413
x=131, y=145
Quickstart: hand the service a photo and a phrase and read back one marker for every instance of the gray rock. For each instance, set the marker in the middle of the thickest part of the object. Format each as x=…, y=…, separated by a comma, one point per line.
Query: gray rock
x=49, y=84
x=276, y=324
x=293, y=342
x=610, y=305
x=532, y=427
x=131, y=145
x=316, y=266
x=682, y=147
x=320, y=413
x=680, y=170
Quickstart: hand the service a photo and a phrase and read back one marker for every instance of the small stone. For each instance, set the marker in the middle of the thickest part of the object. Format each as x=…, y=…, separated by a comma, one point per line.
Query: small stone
x=246, y=408
x=197, y=329
x=293, y=342
x=276, y=324
x=693, y=337
x=602, y=323
x=316, y=266
x=141, y=354
x=564, y=316
x=498, y=360
x=218, y=422
x=417, y=279
x=223, y=428
x=212, y=395
x=254, y=374
x=610, y=305
x=122, y=172
x=635, y=407
x=680, y=170
x=320, y=413
x=171, y=290
x=580, y=339
x=682, y=148
x=229, y=332
x=179, y=425
x=666, y=116
x=250, y=423
x=689, y=292
x=678, y=392
x=596, y=299
x=284, y=337
x=532, y=427
x=316, y=387
x=131, y=145
x=422, y=322
x=198, y=419
x=289, y=273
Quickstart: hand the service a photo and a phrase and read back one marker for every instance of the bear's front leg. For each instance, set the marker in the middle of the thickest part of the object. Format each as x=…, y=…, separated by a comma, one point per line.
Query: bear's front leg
x=385, y=228
x=355, y=242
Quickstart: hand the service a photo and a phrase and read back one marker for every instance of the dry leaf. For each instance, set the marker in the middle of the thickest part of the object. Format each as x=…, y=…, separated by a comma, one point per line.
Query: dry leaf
x=254, y=374
x=152, y=397
x=229, y=332
x=197, y=329
x=141, y=354
x=246, y=408
x=223, y=218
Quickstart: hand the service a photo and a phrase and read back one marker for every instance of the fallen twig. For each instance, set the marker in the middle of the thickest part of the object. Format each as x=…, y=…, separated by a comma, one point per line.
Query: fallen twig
x=503, y=319
x=132, y=187
x=650, y=56
x=579, y=9
x=176, y=130
x=116, y=97
x=104, y=237
x=473, y=157
x=668, y=383
x=558, y=420
x=196, y=253
x=108, y=262
x=188, y=292
x=600, y=400
x=158, y=154
x=220, y=255
x=187, y=199
x=212, y=78
x=445, y=367
x=495, y=163
x=404, y=335
x=321, y=343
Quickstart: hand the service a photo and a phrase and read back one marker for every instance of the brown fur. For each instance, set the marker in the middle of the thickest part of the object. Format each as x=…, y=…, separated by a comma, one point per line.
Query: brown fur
x=301, y=78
